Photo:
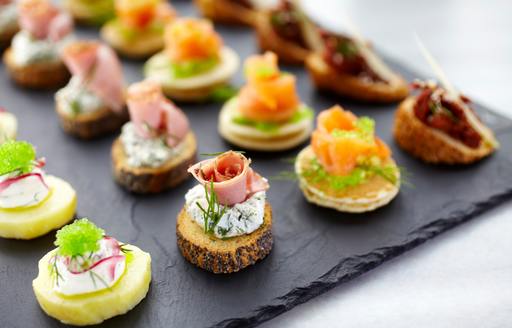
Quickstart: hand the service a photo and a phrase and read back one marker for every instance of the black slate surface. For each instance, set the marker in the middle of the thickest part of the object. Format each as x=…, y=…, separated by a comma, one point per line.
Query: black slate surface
x=315, y=249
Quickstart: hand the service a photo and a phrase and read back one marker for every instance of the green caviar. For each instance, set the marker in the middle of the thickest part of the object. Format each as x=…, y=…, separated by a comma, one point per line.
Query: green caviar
x=191, y=68
x=365, y=129
x=302, y=113
x=16, y=156
x=223, y=93
x=79, y=238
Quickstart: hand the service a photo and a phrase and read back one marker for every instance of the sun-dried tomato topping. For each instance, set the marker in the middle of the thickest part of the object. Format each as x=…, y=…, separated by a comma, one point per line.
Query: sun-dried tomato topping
x=439, y=112
x=285, y=21
x=343, y=54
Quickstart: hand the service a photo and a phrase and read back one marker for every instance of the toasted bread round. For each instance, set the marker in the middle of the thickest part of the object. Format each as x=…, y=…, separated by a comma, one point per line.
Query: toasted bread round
x=43, y=75
x=288, y=52
x=287, y=137
x=227, y=12
x=194, y=88
x=149, y=179
x=429, y=144
x=142, y=46
x=31, y=222
x=82, y=13
x=90, y=125
x=324, y=77
x=7, y=35
x=368, y=196
x=94, y=308
x=223, y=256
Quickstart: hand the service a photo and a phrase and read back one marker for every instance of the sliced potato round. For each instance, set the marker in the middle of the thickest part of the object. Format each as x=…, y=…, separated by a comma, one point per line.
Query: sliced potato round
x=94, y=308
x=54, y=212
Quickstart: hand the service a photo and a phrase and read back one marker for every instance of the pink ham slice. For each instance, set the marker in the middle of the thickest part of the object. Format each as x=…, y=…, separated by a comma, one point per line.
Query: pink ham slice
x=233, y=180
x=153, y=114
x=99, y=68
x=43, y=20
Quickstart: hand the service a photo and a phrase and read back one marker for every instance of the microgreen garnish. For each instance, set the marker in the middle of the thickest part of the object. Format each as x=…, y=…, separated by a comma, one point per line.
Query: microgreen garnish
x=16, y=156
x=214, y=212
x=78, y=238
x=347, y=48
x=223, y=93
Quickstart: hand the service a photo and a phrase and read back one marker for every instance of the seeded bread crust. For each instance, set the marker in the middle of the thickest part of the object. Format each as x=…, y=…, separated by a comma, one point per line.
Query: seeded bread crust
x=287, y=51
x=431, y=145
x=91, y=125
x=223, y=256
x=153, y=180
x=226, y=12
x=353, y=87
x=45, y=75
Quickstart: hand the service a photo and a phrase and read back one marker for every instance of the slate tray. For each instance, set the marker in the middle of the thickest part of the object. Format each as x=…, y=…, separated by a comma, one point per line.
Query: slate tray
x=315, y=249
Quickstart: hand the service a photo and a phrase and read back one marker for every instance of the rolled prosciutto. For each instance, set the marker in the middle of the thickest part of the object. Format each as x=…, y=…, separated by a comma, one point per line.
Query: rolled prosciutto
x=233, y=180
x=43, y=20
x=153, y=114
x=99, y=69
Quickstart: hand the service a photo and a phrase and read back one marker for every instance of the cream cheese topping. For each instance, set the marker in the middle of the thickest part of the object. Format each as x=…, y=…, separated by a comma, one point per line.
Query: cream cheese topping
x=23, y=191
x=76, y=99
x=8, y=17
x=142, y=152
x=106, y=266
x=8, y=126
x=239, y=219
x=28, y=50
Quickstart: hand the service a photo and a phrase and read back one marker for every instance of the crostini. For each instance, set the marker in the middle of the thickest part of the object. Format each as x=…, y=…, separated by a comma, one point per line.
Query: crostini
x=8, y=126
x=226, y=223
x=33, y=60
x=157, y=146
x=138, y=29
x=90, y=277
x=92, y=104
x=31, y=202
x=237, y=12
x=194, y=63
x=8, y=22
x=267, y=114
x=347, y=167
x=439, y=126
x=350, y=68
x=90, y=12
x=288, y=32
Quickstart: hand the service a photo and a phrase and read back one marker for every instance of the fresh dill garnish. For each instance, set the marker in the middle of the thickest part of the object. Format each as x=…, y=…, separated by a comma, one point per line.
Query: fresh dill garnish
x=78, y=238
x=284, y=175
x=214, y=212
x=75, y=107
x=16, y=156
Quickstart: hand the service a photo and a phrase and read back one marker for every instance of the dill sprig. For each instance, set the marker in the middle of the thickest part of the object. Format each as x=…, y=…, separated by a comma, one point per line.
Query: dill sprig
x=214, y=212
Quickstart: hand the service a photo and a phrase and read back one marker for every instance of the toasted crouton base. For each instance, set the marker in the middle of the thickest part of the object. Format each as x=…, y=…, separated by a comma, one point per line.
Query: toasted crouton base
x=288, y=52
x=227, y=12
x=143, y=46
x=429, y=144
x=44, y=75
x=91, y=125
x=223, y=256
x=374, y=193
x=149, y=179
x=324, y=77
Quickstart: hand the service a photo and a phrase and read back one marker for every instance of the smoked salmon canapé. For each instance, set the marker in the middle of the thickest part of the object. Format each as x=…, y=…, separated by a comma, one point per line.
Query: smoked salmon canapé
x=8, y=126
x=267, y=114
x=347, y=167
x=226, y=222
x=90, y=277
x=439, y=126
x=195, y=65
x=348, y=66
x=8, y=22
x=34, y=58
x=137, y=31
x=157, y=146
x=236, y=12
x=287, y=31
x=32, y=203
x=90, y=12
x=92, y=104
